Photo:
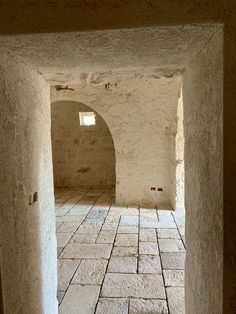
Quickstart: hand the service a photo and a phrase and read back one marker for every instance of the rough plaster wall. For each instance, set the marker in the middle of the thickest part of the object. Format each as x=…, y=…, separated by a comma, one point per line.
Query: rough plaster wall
x=82, y=155
x=164, y=49
x=203, y=115
x=141, y=115
x=179, y=154
x=28, y=232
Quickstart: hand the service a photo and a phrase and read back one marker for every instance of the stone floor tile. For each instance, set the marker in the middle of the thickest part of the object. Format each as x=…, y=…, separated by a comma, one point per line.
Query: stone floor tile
x=149, y=224
x=162, y=213
x=165, y=216
x=66, y=269
x=129, y=221
x=63, y=238
x=148, y=248
x=140, y=306
x=168, y=234
x=88, y=229
x=148, y=214
x=147, y=235
x=81, y=250
x=149, y=264
x=174, y=278
x=92, y=223
x=101, y=206
x=90, y=272
x=62, y=211
x=171, y=245
x=112, y=219
x=117, y=210
x=109, y=226
x=68, y=226
x=79, y=210
x=165, y=225
x=173, y=260
x=166, y=219
x=62, y=199
x=84, y=238
x=112, y=306
x=125, y=251
x=127, y=229
x=78, y=219
x=132, y=210
x=97, y=215
x=133, y=285
x=175, y=298
x=122, y=264
x=106, y=236
x=80, y=299
x=147, y=210
x=126, y=240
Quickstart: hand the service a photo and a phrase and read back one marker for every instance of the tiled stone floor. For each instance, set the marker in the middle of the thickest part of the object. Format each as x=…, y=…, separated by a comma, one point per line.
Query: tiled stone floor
x=117, y=260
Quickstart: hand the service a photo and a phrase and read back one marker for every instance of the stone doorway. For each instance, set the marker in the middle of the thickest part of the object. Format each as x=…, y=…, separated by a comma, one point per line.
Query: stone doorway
x=29, y=65
x=83, y=155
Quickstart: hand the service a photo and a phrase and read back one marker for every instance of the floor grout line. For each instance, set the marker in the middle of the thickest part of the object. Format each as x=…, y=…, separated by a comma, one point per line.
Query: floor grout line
x=99, y=296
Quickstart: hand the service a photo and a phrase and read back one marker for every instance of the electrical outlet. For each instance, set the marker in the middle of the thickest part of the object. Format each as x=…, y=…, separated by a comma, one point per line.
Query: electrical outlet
x=153, y=188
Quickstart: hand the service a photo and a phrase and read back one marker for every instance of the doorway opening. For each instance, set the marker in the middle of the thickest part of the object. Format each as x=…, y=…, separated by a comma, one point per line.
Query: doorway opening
x=107, y=244
x=133, y=237
x=82, y=147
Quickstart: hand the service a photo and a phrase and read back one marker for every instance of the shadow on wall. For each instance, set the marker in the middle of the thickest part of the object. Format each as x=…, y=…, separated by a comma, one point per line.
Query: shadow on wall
x=82, y=154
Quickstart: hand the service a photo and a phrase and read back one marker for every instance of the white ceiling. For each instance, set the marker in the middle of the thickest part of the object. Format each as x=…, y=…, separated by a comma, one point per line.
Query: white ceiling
x=99, y=56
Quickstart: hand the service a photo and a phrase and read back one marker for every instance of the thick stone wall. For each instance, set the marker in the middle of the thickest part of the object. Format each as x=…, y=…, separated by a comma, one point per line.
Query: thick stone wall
x=82, y=155
x=142, y=117
x=28, y=266
x=203, y=117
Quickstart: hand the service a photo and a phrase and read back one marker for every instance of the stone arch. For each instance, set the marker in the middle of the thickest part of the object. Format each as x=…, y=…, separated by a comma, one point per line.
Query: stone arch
x=82, y=155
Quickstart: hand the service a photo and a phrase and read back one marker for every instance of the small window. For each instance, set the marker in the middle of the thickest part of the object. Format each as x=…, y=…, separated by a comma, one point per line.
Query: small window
x=87, y=118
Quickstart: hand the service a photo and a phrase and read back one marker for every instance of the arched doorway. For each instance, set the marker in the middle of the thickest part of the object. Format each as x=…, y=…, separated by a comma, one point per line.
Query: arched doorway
x=83, y=153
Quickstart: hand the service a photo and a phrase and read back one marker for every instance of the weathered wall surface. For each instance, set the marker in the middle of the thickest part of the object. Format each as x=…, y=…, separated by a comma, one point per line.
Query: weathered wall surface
x=82, y=155
x=203, y=117
x=179, y=155
x=29, y=276
x=142, y=117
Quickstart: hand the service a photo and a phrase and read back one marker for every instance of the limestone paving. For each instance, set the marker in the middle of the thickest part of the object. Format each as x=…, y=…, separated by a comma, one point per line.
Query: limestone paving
x=117, y=259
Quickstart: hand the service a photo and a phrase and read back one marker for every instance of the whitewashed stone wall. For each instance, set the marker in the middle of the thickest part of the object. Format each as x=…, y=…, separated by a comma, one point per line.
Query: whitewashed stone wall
x=203, y=117
x=28, y=270
x=141, y=114
x=179, y=155
x=82, y=155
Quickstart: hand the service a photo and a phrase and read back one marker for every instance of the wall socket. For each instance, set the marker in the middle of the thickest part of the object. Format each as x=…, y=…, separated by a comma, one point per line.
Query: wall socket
x=153, y=188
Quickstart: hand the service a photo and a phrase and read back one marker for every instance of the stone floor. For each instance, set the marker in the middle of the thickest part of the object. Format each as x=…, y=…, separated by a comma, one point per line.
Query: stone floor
x=117, y=260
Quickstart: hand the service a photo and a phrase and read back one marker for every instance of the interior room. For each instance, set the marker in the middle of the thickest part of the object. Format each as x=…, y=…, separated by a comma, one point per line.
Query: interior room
x=116, y=138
